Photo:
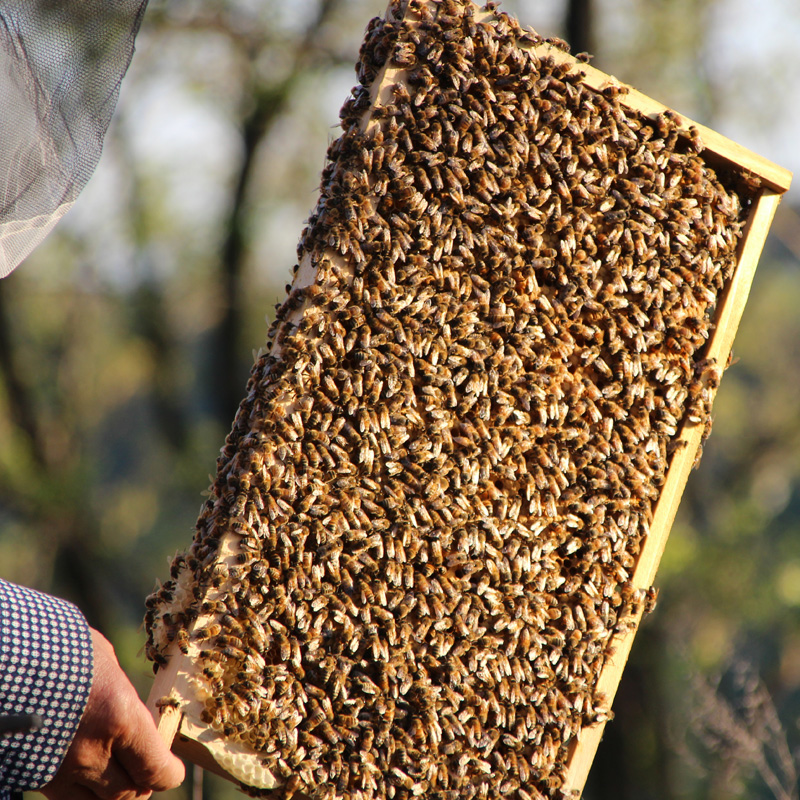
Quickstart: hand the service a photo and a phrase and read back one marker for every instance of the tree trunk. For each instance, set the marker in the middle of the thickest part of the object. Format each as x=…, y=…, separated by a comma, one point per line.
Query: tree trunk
x=579, y=26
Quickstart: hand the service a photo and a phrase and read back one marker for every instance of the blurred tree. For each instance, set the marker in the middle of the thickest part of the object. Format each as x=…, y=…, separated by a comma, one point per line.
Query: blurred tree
x=579, y=26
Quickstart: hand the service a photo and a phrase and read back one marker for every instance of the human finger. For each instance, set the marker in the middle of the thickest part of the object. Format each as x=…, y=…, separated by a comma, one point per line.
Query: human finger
x=145, y=756
x=113, y=783
x=70, y=792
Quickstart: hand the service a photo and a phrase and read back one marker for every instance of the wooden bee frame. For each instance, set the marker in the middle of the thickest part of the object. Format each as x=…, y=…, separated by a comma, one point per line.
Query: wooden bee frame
x=171, y=691
x=774, y=181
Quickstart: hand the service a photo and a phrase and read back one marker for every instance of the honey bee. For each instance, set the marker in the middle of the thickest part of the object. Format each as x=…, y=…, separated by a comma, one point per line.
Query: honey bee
x=470, y=414
x=168, y=701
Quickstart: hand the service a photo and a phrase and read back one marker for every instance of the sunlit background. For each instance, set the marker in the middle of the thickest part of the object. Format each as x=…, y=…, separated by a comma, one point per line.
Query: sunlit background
x=126, y=341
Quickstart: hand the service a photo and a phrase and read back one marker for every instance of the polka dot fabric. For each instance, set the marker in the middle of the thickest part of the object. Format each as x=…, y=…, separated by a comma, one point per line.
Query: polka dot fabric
x=46, y=669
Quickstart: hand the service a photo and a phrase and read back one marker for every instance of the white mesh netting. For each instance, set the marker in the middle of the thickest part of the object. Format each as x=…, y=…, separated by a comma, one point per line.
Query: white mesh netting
x=61, y=64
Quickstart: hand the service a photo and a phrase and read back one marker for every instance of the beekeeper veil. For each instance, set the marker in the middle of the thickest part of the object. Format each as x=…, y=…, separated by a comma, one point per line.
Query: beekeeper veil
x=61, y=64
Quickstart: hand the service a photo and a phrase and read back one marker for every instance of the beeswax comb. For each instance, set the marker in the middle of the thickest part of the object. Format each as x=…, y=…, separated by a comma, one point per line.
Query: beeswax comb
x=438, y=517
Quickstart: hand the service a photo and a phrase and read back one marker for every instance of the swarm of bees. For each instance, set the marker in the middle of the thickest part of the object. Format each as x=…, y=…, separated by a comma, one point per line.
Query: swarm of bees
x=446, y=464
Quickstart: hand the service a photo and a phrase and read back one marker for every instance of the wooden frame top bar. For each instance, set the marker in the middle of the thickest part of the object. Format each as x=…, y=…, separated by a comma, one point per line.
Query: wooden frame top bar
x=770, y=174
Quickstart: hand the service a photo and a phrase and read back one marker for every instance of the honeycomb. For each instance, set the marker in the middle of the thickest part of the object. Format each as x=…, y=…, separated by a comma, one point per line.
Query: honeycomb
x=439, y=481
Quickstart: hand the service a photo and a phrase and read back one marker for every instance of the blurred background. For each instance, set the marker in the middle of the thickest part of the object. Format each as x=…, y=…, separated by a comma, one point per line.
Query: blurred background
x=126, y=341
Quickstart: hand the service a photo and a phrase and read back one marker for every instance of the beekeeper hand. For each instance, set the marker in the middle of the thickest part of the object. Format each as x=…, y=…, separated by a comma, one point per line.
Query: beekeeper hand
x=117, y=753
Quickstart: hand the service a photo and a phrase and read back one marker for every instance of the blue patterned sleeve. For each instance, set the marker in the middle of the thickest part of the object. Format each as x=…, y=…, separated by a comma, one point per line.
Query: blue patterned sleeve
x=45, y=668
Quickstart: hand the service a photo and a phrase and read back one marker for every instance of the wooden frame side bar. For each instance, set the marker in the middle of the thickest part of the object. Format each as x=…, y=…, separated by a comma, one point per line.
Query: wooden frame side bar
x=169, y=716
x=728, y=316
